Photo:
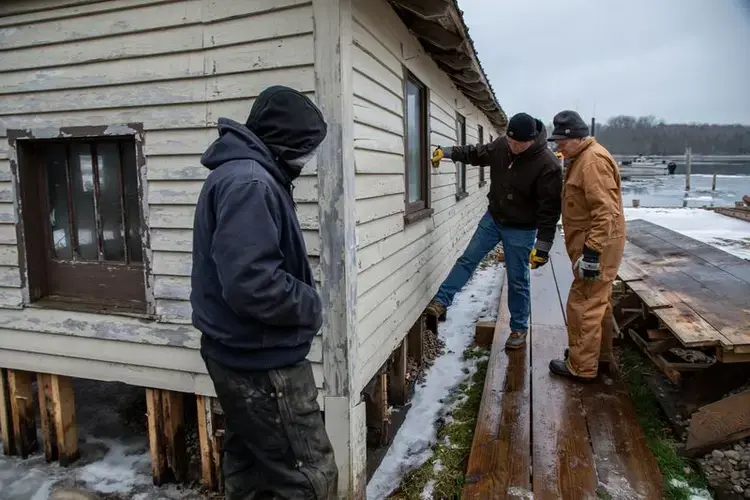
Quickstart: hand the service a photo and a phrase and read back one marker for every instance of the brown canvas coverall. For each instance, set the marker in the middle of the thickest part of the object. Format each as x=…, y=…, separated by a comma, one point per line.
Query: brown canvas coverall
x=592, y=215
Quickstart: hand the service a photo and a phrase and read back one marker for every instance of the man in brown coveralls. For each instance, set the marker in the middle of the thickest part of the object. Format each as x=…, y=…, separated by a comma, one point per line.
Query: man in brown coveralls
x=594, y=227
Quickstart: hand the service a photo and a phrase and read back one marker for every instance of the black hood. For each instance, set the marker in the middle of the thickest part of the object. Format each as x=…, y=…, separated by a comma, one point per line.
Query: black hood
x=287, y=122
x=284, y=125
x=540, y=143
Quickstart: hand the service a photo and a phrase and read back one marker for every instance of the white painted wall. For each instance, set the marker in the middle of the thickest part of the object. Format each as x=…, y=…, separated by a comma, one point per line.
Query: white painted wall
x=176, y=67
x=400, y=267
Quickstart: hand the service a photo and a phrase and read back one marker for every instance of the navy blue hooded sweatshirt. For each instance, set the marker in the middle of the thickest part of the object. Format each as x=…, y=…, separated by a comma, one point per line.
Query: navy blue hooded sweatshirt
x=253, y=293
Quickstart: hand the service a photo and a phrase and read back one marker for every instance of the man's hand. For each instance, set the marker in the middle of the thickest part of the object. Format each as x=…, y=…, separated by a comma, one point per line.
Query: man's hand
x=437, y=155
x=587, y=266
x=538, y=258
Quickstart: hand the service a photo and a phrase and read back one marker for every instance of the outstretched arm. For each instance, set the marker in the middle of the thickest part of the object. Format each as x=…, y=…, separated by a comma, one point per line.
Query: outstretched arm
x=249, y=261
x=479, y=154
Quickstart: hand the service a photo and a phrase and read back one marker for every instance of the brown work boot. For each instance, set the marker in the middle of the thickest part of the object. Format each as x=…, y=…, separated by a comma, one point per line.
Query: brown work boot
x=516, y=340
x=560, y=367
x=436, y=309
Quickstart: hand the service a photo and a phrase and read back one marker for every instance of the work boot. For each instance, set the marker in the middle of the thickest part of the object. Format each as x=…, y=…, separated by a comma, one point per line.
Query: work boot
x=560, y=367
x=607, y=363
x=436, y=309
x=516, y=340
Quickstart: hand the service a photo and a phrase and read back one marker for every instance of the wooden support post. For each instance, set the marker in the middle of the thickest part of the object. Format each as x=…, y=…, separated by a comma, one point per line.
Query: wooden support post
x=47, y=414
x=415, y=340
x=688, y=166
x=64, y=412
x=397, y=388
x=22, y=412
x=6, y=421
x=156, y=440
x=713, y=182
x=174, y=433
x=377, y=410
x=166, y=435
x=210, y=448
x=484, y=331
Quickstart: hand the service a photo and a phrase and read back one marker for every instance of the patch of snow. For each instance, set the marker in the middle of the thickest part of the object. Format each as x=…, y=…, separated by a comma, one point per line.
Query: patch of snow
x=695, y=493
x=120, y=471
x=412, y=445
x=520, y=493
x=726, y=233
x=429, y=490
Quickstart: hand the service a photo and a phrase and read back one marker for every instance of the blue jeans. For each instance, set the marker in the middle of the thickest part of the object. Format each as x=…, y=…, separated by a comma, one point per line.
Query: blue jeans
x=517, y=245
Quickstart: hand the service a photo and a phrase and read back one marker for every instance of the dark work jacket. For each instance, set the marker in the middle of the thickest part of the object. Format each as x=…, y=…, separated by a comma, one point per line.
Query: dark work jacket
x=253, y=293
x=525, y=190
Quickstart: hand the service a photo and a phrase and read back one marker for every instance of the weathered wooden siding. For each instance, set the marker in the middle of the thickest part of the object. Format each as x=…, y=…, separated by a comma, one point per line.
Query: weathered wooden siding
x=175, y=67
x=401, y=266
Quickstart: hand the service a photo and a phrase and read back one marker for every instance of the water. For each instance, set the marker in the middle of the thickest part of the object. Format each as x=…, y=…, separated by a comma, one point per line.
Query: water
x=669, y=191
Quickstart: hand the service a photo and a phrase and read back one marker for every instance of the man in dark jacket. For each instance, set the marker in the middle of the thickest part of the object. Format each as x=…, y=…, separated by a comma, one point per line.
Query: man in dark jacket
x=525, y=191
x=255, y=302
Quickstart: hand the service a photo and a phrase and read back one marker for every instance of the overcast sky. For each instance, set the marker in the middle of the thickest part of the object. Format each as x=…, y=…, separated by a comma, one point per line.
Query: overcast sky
x=680, y=60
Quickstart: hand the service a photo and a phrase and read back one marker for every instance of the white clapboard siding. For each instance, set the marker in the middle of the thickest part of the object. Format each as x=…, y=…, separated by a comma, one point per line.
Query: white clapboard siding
x=176, y=67
x=400, y=266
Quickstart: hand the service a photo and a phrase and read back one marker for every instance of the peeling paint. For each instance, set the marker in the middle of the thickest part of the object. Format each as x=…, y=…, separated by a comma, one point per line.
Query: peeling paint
x=119, y=130
x=44, y=133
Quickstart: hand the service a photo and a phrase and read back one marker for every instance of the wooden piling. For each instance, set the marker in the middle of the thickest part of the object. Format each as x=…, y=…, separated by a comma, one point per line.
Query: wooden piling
x=636, y=203
x=166, y=435
x=397, y=387
x=22, y=412
x=210, y=445
x=415, y=340
x=713, y=182
x=6, y=421
x=376, y=407
x=688, y=166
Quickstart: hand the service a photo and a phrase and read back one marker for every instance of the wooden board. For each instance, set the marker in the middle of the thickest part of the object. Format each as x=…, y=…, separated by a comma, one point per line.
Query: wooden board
x=719, y=423
x=563, y=462
x=625, y=466
x=499, y=463
x=692, y=299
x=649, y=292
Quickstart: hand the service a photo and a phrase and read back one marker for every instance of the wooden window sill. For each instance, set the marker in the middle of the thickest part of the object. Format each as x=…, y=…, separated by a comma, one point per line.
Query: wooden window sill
x=419, y=215
x=461, y=196
x=78, y=305
x=482, y=184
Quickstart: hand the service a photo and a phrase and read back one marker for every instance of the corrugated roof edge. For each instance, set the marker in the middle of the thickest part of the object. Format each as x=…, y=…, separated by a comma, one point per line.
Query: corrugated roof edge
x=440, y=27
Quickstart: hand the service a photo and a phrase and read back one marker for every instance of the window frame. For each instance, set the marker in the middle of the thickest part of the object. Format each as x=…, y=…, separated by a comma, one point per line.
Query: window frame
x=72, y=284
x=461, y=188
x=480, y=133
x=420, y=209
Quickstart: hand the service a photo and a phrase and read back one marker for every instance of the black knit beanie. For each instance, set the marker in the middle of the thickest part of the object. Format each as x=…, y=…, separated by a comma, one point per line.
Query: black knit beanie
x=522, y=127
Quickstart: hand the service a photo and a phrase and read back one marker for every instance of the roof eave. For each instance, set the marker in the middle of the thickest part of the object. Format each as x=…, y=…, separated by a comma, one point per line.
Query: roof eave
x=440, y=28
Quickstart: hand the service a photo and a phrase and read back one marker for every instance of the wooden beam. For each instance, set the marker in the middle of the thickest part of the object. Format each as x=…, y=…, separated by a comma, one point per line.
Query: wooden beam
x=156, y=441
x=672, y=374
x=426, y=9
x=47, y=416
x=660, y=334
x=415, y=339
x=378, y=420
x=397, y=384
x=719, y=424
x=211, y=476
x=456, y=61
x=174, y=433
x=22, y=412
x=64, y=412
x=435, y=34
x=6, y=421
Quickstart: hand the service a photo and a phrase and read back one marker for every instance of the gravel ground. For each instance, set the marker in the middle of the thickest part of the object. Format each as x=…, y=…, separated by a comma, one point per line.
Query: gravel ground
x=728, y=469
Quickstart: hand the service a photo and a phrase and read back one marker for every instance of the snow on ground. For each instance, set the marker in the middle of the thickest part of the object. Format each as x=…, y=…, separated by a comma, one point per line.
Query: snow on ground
x=115, y=463
x=412, y=445
x=728, y=234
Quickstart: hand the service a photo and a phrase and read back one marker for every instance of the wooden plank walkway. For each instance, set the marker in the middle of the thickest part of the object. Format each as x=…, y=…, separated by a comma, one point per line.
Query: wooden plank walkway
x=698, y=291
x=543, y=437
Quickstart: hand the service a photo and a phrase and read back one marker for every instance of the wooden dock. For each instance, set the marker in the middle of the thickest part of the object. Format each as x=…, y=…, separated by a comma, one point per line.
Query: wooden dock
x=686, y=304
x=541, y=435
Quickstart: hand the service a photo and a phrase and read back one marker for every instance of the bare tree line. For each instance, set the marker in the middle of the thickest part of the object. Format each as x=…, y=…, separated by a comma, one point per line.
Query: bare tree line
x=647, y=135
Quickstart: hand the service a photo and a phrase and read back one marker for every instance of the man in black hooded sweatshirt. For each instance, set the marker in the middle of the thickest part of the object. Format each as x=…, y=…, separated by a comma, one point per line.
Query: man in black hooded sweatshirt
x=255, y=302
x=524, y=207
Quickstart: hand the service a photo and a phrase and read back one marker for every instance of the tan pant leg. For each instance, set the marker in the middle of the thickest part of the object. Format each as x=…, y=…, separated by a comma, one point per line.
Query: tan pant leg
x=608, y=330
x=587, y=306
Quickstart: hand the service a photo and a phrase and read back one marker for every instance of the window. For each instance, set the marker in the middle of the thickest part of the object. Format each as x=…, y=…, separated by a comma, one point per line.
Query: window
x=460, y=167
x=482, y=182
x=416, y=139
x=82, y=221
